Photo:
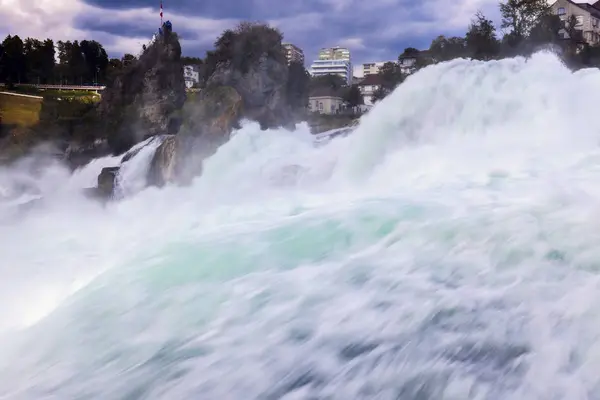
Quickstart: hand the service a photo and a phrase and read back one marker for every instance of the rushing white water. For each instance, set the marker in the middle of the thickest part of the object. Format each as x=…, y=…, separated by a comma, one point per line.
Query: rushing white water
x=447, y=249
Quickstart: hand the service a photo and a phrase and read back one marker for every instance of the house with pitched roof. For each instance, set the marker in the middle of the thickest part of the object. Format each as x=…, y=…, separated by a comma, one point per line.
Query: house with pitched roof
x=587, y=17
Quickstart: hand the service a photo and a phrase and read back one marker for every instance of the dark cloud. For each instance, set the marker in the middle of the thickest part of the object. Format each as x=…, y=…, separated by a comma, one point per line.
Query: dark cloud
x=374, y=30
x=116, y=27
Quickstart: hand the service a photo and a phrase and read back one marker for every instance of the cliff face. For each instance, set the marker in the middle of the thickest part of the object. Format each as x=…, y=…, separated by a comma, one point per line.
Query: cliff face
x=262, y=89
x=146, y=98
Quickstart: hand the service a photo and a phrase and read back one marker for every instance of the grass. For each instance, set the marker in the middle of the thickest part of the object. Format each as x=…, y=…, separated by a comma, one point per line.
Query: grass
x=19, y=111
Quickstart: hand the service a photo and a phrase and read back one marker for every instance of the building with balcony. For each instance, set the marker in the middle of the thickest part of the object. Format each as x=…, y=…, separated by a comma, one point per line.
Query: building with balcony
x=587, y=18
x=293, y=53
x=191, y=75
x=334, y=61
x=372, y=68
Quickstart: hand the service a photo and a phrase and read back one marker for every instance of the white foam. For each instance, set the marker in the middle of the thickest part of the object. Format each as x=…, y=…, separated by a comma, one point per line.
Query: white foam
x=447, y=248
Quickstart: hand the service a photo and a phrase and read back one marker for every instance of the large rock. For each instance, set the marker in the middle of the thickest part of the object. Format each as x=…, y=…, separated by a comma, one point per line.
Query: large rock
x=209, y=122
x=106, y=185
x=163, y=164
x=146, y=98
x=262, y=88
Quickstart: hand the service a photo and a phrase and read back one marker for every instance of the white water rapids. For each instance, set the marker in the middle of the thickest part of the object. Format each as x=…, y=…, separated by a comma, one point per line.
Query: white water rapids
x=447, y=249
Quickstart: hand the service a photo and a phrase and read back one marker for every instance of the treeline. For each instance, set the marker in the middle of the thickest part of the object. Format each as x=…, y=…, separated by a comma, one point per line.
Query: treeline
x=35, y=61
x=531, y=26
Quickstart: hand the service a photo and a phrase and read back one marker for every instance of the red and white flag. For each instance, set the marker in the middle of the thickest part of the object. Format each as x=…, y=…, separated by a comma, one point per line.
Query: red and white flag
x=161, y=11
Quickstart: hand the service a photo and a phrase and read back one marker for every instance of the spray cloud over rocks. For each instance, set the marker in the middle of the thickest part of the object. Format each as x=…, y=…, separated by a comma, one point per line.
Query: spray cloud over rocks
x=445, y=249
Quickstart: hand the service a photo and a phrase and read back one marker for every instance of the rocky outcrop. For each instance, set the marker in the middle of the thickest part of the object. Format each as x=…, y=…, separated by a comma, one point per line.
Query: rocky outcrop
x=209, y=122
x=146, y=98
x=163, y=164
x=262, y=89
x=106, y=184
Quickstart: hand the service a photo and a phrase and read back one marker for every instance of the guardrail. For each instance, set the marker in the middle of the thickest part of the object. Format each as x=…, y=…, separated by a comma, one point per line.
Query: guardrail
x=59, y=87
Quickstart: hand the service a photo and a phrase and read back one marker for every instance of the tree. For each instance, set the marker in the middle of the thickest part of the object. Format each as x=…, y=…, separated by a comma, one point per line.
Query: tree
x=546, y=30
x=520, y=16
x=247, y=44
x=353, y=96
x=444, y=49
x=96, y=60
x=391, y=75
x=114, y=67
x=331, y=81
x=297, y=86
x=481, y=38
x=191, y=61
x=410, y=52
x=128, y=59
x=13, y=61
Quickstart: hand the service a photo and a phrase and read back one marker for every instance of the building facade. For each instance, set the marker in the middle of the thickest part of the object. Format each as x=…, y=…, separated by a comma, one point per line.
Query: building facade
x=325, y=101
x=191, y=75
x=335, y=61
x=372, y=68
x=587, y=18
x=368, y=87
x=293, y=53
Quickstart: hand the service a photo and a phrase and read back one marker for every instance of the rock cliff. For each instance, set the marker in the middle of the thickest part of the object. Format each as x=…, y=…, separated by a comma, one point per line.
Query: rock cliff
x=146, y=98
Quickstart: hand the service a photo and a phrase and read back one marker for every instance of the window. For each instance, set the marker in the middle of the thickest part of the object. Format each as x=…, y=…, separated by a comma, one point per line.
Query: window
x=594, y=22
x=561, y=11
x=579, y=19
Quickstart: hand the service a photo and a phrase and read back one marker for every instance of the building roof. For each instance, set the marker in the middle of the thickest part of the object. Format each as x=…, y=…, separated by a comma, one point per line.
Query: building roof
x=324, y=92
x=593, y=9
x=373, y=79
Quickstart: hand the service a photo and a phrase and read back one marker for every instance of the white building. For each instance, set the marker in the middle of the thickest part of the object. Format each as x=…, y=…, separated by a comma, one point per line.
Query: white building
x=368, y=87
x=191, y=74
x=335, y=61
x=325, y=101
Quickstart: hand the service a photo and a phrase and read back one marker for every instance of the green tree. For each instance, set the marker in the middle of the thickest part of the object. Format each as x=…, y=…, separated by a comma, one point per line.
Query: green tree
x=331, y=81
x=481, y=38
x=128, y=59
x=13, y=61
x=353, y=96
x=247, y=44
x=298, y=85
x=391, y=76
x=96, y=61
x=546, y=30
x=520, y=16
x=191, y=61
x=444, y=49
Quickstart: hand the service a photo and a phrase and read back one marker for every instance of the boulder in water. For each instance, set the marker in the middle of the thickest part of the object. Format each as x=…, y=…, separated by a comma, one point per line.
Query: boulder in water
x=106, y=184
x=162, y=166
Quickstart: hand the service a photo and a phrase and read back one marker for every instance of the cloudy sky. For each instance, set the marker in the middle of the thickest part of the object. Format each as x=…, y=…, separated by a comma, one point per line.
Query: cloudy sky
x=374, y=30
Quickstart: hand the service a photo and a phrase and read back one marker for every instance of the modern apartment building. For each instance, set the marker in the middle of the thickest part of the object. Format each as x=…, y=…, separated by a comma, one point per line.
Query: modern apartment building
x=587, y=17
x=334, y=53
x=371, y=68
x=335, y=61
x=293, y=53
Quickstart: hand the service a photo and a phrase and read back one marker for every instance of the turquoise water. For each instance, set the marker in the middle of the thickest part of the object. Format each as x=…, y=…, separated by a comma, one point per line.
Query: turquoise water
x=447, y=249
